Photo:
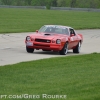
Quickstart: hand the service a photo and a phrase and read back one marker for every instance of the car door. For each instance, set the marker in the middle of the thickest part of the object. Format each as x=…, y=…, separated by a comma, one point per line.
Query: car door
x=73, y=38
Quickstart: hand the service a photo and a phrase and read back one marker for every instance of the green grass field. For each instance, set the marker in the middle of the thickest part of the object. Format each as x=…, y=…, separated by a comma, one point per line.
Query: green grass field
x=28, y=20
x=78, y=77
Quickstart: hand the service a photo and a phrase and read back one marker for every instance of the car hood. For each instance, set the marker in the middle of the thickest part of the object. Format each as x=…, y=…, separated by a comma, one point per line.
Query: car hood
x=48, y=36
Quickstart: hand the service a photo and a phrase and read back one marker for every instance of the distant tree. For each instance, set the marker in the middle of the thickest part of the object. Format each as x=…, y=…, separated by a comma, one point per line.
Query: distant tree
x=92, y=4
x=18, y=2
x=28, y=2
x=38, y=2
x=48, y=3
x=0, y=2
x=61, y=3
x=6, y=2
x=98, y=4
x=73, y=3
x=54, y=3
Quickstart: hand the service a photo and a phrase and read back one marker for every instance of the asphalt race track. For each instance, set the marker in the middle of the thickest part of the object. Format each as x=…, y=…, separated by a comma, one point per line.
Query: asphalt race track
x=12, y=47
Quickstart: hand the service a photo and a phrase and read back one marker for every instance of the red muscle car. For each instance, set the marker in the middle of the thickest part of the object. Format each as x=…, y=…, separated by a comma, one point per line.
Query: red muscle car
x=54, y=38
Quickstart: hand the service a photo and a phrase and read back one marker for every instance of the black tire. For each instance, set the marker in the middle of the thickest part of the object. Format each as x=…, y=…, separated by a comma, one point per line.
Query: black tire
x=64, y=51
x=29, y=50
x=77, y=49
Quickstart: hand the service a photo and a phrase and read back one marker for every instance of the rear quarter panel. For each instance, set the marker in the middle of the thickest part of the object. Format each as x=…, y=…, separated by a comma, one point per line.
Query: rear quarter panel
x=81, y=37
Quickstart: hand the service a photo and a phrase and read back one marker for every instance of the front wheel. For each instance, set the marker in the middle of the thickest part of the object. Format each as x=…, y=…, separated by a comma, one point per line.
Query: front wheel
x=64, y=51
x=77, y=49
x=29, y=50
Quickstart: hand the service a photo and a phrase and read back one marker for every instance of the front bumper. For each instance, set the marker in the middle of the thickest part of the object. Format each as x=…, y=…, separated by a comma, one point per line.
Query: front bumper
x=45, y=46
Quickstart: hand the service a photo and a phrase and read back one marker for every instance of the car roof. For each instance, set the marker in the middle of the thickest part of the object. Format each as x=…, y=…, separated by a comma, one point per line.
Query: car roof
x=60, y=26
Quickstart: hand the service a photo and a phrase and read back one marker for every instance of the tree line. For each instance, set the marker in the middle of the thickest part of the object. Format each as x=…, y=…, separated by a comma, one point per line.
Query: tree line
x=54, y=3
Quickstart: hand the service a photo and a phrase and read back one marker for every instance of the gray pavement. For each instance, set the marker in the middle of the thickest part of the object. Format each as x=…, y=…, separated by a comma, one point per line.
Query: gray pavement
x=12, y=47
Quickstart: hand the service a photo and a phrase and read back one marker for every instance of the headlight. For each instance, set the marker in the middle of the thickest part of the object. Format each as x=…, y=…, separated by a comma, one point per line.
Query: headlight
x=58, y=41
x=28, y=38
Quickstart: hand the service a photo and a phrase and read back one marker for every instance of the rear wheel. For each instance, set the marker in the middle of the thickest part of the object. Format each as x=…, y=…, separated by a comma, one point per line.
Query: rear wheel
x=29, y=50
x=64, y=51
x=77, y=49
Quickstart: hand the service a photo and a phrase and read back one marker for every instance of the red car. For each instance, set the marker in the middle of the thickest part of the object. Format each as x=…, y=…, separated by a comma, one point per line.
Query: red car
x=54, y=38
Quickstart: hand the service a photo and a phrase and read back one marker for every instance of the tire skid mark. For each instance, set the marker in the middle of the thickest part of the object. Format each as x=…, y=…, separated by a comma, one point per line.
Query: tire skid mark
x=5, y=48
x=95, y=36
x=1, y=60
x=9, y=37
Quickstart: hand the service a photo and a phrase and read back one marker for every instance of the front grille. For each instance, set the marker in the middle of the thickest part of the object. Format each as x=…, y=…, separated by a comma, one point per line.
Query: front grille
x=43, y=40
x=41, y=45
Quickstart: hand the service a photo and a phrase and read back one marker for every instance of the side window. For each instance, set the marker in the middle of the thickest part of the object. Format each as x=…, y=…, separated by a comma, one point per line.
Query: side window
x=72, y=31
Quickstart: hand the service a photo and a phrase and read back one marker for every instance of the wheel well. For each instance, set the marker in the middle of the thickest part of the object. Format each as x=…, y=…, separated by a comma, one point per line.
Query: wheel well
x=80, y=41
x=66, y=41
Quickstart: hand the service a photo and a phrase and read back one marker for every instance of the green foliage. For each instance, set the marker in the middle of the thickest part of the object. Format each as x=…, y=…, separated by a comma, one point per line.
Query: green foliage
x=61, y=3
x=78, y=77
x=88, y=3
x=48, y=4
x=29, y=20
x=73, y=3
x=55, y=3
x=38, y=2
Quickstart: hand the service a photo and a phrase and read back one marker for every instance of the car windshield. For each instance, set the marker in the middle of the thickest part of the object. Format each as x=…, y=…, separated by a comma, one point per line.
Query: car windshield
x=54, y=29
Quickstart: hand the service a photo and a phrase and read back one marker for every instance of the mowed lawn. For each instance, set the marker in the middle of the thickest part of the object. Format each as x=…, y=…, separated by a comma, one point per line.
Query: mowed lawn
x=78, y=77
x=29, y=20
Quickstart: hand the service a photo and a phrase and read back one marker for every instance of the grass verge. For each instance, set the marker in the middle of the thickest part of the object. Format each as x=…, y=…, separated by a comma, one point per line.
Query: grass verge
x=78, y=77
x=28, y=20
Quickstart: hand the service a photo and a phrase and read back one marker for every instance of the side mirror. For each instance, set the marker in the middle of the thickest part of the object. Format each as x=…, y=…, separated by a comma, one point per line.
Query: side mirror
x=36, y=31
x=72, y=35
